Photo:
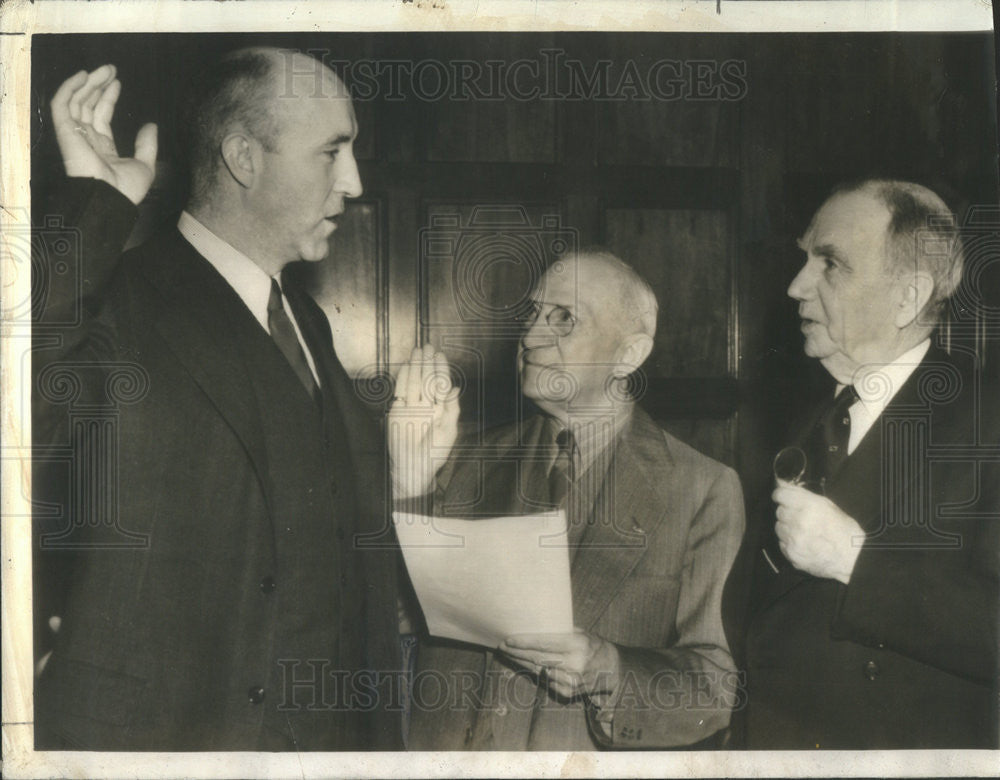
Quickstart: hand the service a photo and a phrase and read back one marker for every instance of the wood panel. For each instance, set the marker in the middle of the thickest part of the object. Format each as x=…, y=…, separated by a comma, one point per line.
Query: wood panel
x=672, y=102
x=684, y=255
x=349, y=287
x=502, y=127
x=478, y=264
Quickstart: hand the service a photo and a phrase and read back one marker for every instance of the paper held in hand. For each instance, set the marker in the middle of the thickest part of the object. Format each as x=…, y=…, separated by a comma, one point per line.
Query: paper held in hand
x=483, y=580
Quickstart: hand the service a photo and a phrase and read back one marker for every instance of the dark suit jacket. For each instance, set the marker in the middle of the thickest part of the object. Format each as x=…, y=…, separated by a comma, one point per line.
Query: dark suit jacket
x=905, y=656
x=219, y=599
x=647, y=577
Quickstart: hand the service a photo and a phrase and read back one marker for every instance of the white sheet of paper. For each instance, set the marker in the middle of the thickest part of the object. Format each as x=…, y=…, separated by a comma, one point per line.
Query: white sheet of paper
x=483, y=580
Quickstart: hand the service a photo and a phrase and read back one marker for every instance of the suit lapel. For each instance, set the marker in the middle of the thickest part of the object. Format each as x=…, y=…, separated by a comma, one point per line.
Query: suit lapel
x=633, y=502
x=209, y=329
x=495, y=480
x=341, y=404
x=862, y=487
x=859, y=487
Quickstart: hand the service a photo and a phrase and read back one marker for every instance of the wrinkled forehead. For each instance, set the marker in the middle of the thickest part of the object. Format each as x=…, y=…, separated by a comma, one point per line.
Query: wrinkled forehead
x=848, y=218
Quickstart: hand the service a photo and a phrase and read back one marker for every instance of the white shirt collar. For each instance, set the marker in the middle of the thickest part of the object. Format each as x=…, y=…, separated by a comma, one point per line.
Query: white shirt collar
x=247, y=278
x=876, y=385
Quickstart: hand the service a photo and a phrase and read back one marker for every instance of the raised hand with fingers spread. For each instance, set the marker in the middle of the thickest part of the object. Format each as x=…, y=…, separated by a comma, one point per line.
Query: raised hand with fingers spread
x=188, y=320
x=82, y=109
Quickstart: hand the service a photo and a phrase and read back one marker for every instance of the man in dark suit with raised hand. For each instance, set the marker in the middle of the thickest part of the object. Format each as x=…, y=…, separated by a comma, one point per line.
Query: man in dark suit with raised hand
x=653, y=529
x=874, y=600
x=248, y=618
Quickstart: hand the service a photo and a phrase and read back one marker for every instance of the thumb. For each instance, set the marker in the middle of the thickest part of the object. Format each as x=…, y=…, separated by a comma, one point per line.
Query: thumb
x=145, y=145
x=451, y=403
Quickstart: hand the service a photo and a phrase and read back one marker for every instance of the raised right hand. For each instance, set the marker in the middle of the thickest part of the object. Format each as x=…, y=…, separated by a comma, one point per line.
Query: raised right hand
x=423, y=422
x=81, y=116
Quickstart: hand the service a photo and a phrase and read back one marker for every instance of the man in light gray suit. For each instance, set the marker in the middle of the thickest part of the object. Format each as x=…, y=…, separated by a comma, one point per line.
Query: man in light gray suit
x=654, y=527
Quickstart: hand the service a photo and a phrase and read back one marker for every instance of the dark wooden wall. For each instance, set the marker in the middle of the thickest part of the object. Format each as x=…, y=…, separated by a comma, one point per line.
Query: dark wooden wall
x=466, y=200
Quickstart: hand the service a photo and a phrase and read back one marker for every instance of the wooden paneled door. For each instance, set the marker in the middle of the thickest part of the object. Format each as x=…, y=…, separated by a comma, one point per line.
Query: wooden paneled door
x=467, y=201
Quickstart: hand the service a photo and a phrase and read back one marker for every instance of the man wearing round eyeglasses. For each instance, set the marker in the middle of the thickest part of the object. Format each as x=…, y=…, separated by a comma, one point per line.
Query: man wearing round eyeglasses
x=653, y=529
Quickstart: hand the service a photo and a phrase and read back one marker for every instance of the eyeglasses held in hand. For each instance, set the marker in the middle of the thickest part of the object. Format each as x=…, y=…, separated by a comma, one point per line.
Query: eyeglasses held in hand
x=790, y=466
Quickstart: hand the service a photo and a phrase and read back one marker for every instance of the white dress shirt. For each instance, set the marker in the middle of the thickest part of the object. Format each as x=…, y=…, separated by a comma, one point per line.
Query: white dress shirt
x=876, y=385
x=247, y=279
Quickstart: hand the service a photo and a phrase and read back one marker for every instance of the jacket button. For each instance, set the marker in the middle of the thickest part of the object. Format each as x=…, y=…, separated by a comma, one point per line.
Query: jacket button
x=267, y=585
x=871, y=670
x=502, y=710
x=256, y=694
x=468, y=735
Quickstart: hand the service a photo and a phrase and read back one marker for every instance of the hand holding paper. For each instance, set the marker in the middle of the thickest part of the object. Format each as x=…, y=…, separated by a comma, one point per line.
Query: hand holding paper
x=482, y=580
x=574, y=664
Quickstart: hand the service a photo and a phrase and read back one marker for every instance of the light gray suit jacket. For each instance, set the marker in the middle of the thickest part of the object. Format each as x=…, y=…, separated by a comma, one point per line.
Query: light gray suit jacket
x=663, y=534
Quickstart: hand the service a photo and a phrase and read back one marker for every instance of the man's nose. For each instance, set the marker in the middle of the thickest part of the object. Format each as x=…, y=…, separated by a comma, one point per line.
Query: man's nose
x=538, y=334
x=802, y=285
x=348, y=178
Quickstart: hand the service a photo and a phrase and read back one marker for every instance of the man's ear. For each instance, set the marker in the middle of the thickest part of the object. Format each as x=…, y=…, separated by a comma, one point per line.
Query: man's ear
x=916, y=292
x=633, y=353
x=238, y=154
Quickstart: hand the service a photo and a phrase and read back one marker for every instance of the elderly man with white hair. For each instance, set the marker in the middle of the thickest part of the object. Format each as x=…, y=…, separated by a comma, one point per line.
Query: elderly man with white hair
x=654, y=527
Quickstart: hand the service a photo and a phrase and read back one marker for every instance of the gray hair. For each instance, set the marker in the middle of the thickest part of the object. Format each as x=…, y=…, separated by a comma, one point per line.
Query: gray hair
x=922, y=235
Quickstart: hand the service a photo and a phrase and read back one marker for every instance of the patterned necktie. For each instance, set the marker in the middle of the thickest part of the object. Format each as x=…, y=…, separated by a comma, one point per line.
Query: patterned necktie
x=283, y=333
x=828, y=442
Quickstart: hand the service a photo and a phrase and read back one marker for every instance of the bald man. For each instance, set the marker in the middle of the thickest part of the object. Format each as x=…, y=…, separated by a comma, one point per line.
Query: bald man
x=873, y=592
x=654, y=527
x=219, y=600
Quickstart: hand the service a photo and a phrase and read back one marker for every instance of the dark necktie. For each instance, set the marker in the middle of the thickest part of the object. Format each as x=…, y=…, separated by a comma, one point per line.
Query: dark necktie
x=283, y=333
x=828, y=442
x=561, y=471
